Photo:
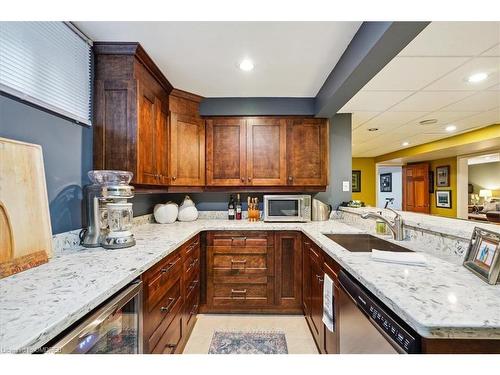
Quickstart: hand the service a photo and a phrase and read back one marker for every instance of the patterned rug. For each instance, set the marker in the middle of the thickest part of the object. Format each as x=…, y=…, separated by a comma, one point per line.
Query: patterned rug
x=248, y=343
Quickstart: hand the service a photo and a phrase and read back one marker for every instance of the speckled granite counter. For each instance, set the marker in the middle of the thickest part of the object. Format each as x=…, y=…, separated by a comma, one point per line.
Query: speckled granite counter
x=440, y=300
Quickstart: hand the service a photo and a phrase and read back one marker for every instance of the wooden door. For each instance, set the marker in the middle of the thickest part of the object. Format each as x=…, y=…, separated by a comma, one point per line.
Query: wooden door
x=307, y=152
x=288, y=277
x=146, y=146
x=187, y=147
x=226, y=152
x=306, y=278
x=162, y=143
x=266, y=152
x=416, y=188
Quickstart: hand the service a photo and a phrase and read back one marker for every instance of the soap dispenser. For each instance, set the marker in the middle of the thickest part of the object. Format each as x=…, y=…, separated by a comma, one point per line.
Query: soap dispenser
x=380, y=225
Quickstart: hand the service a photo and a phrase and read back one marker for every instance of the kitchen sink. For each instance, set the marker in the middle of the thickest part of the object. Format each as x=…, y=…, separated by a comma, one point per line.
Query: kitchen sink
x=364, y=243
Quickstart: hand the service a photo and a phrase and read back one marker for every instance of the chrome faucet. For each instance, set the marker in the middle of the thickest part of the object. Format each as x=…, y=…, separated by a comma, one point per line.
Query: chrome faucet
x=395, y=226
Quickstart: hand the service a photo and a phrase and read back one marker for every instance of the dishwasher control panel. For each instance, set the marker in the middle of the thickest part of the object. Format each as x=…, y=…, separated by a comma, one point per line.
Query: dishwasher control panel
x=398, y=335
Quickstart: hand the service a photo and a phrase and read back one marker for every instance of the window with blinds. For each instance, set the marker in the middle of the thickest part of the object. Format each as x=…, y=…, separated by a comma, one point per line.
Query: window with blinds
x=48, y=64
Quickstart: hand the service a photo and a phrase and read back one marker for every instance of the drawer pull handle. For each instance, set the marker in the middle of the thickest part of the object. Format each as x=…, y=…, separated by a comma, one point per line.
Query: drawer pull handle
x=193, y=285
x=243, y=262
x=235, y=291
x=171, y=346
x=167, y=308
x=193, y=310
x=238, y=238
x=193, y=263
x=169, y=266
x=320, y=279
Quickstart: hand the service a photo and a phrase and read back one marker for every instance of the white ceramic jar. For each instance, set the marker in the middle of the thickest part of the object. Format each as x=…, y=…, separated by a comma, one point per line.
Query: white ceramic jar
x=187, y=210
x=166, y=213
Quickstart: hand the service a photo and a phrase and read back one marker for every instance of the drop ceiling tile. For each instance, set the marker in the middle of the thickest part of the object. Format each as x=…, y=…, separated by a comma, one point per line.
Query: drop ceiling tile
x=481, y=101
x=457, y=80
x=359, y=118
x=494, y=87
x=430, y=100
x=495, y=51
x=390, y=119
x=374, y=101
x=454, y=39
x=481, y=119
x=412, y=73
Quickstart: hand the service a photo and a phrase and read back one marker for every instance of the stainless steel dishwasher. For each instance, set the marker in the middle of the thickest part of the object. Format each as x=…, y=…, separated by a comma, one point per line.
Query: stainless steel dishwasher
x=368, y=327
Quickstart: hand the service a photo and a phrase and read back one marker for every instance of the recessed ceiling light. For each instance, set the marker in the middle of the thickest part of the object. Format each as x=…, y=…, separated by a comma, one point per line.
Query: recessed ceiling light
x=477, y=77
x=405, y=144
x=451, y=128
x=246, y=65
x=372, y=129
x=430, y=121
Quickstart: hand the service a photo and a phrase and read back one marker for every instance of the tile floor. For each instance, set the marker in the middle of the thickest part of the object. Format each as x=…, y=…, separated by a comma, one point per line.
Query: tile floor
x=298, y=336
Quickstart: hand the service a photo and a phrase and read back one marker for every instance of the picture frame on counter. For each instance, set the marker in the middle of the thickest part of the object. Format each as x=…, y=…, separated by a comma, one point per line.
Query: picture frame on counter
x=443, y=198
x=483, y=255
x=356, y=181
x=443, y=176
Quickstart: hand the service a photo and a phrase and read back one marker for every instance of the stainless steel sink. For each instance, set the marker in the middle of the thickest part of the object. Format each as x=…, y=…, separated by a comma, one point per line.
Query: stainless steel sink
x=364, y=243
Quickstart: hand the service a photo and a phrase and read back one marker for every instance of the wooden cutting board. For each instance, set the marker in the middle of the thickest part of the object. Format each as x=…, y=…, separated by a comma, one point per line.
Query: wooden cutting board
x=25, y=231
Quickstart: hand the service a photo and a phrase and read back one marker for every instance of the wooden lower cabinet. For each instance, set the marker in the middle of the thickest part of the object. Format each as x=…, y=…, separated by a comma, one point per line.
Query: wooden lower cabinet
x=171, y=299
x=316, y=264
x=253, y=271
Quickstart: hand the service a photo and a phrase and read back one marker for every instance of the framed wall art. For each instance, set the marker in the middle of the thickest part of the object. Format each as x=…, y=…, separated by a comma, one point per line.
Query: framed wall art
x=356, y=181
x=443, y=176
x=443, y=198
x=386, y=182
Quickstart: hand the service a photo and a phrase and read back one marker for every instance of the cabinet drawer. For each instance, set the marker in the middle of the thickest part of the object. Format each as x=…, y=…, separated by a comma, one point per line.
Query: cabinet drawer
x=191, y=264
x=191, y=285
x=240, y=264
x=190, y=247
x=250, y=239
x=161, y=278
x=171, y=337
x=242, y=294
x=163, y=313
x=191, y=308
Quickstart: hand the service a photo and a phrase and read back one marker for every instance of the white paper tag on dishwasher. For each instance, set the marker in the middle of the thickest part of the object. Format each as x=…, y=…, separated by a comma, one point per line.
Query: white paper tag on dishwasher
x=328, y=303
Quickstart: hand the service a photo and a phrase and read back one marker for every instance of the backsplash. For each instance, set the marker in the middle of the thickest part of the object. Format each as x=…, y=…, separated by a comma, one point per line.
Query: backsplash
x=446, y=247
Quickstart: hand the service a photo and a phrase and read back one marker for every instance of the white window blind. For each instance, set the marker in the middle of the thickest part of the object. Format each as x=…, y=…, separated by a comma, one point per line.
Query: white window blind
x=48, y=64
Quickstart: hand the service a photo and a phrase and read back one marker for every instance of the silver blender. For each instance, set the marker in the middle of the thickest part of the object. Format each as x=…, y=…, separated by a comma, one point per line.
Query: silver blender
x=109, y=215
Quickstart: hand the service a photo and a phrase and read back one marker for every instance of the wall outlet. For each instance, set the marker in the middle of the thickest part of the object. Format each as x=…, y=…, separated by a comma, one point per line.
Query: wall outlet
x=345, y=185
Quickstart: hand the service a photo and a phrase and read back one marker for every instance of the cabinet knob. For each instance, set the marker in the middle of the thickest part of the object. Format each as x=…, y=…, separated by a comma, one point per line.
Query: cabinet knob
x=174, y=178
x=290, y=178
x=243, y=179
x=249, y=179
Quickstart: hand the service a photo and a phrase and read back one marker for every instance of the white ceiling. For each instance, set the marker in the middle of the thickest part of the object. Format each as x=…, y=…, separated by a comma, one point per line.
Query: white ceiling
x=292, y=59
x=428, y=80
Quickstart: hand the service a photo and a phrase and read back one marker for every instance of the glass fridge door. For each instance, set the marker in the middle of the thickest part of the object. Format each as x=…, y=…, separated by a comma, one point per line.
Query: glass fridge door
x=113, y=329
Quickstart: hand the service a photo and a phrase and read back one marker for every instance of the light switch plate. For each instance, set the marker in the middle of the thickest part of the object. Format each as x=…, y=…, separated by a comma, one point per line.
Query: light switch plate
x=345, y=185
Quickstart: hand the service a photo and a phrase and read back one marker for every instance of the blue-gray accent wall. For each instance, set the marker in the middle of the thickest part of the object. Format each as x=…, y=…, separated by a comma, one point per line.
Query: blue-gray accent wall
x=257, y=106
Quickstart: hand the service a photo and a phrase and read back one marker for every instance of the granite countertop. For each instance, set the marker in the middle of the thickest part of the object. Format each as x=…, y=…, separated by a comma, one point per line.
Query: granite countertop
x=440, y=300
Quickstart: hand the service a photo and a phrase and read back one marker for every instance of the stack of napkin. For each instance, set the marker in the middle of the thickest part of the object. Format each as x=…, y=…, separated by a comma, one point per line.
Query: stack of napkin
x=415, y=259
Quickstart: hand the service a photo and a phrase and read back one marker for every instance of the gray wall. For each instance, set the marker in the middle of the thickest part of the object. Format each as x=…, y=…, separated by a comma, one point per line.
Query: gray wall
x=340, y=166
x=67, y=155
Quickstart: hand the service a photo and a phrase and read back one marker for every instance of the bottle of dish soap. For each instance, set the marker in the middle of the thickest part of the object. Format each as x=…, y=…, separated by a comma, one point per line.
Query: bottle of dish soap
x=380, y=225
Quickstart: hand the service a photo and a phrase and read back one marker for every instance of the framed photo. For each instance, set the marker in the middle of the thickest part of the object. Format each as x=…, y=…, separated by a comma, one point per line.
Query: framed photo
x=431, y=182
x=443, y=176
x=483, y=255
x=443, y=198
x=386, y=182
x=356, y=181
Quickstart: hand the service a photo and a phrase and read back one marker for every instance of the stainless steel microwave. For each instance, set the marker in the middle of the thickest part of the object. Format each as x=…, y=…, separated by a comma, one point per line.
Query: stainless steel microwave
x=287, y=208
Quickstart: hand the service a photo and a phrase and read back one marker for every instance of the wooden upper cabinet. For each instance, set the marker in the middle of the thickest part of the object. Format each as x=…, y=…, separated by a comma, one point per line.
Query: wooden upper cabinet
x=130, y=113
x=307, y=152
x=266, y=152
x=226, y=152
x=187, y=140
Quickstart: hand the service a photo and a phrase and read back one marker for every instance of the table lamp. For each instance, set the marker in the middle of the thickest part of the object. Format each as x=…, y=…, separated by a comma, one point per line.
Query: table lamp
x=485, y=194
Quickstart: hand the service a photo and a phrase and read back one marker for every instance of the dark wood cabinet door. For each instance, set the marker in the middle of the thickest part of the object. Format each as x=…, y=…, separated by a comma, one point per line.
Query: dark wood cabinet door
x=331, y=340
x=288, y=277
x=306, y=278
x=416, y=188
x=187, y=147
x=146, y=138
x=316, y=281
x=307, y=152
x=226, y=152
x=162, y=144
x=266, y=152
